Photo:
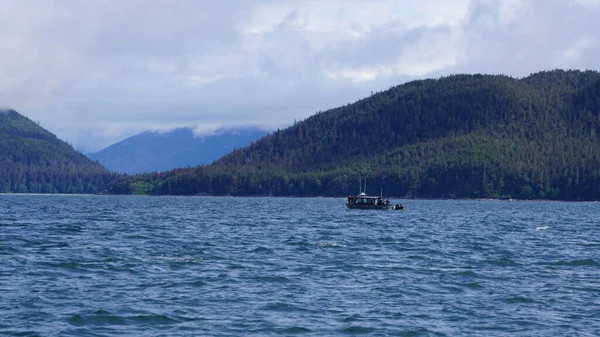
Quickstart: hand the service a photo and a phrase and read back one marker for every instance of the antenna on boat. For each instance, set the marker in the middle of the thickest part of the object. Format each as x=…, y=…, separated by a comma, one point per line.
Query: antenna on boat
x=360, y=187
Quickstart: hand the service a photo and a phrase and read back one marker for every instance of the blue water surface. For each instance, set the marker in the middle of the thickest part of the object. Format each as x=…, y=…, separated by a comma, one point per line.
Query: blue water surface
x=224, y=266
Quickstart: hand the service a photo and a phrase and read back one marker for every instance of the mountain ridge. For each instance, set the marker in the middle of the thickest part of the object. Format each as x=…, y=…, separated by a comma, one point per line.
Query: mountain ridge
x=459, y=136
x=464, y=135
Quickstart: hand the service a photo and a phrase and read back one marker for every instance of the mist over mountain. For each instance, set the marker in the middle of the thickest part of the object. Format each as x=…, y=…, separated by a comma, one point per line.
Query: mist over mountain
x=153, y=151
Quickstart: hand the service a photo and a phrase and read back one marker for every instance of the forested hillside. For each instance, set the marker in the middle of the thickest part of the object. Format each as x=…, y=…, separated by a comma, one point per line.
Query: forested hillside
x=33, y=160
x=475, y=136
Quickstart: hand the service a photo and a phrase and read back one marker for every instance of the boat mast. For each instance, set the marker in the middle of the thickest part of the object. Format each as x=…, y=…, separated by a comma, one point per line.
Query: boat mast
x=360, y=187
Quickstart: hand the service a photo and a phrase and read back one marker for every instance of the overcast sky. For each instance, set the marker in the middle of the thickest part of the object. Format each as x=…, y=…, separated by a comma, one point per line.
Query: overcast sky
x=97, y=71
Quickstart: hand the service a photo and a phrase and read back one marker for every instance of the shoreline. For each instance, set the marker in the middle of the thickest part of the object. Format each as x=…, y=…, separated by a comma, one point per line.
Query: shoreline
x=297, y=197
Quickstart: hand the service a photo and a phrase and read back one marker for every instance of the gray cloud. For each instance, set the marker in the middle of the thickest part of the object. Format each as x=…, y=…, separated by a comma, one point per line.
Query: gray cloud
x=541, y=35
x=95, y=72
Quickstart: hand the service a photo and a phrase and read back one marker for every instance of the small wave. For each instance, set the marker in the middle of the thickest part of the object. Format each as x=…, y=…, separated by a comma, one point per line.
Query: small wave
x=6, y=251
x=304, y=269
x=286, y=307
x=275, y=279
x=70, y=229
x=13, y=223
x=54, y=245
x=236, y=266
x=352, y=318
x=261, y=250
x=198, y=283
x=296, y=330
x=101, y=319
x=387, y=239
x=518, y=299
x=155, y=319
x=104, y=318
x=305, y=244
x=65, y=265
x=179, y=258
x=469, y=273
x=101, y=312
x=21, y=333
x=542, y=228
x=473, y=285
x=454, y=290
x=504, y=262
x=330, y=245
x=357, y=329
x=292, y=242
x=416, y=332
x=578, y=263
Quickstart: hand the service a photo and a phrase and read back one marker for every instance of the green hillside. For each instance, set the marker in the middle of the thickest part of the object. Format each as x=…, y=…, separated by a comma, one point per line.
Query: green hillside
x=33, y=160
x=475, y=136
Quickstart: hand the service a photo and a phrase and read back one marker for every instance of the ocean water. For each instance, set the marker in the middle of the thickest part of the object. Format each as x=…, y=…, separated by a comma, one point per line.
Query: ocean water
x=210, y=266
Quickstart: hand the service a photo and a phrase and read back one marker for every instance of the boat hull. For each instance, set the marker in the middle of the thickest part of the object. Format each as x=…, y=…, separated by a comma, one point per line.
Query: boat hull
x=376, y=207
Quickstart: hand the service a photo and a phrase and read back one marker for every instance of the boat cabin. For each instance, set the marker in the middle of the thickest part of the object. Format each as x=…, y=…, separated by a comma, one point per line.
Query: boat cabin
x=363, y=199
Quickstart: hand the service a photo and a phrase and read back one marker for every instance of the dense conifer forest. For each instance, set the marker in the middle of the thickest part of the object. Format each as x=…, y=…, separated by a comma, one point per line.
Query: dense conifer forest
x=33, y=160
x=460, y=136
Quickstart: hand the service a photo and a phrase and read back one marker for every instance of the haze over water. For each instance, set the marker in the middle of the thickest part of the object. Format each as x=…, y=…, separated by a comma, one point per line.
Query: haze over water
x=208, y=266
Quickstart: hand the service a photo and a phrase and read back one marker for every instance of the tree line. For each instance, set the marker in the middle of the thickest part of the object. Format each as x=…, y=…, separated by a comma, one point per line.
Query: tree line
x=460, y=136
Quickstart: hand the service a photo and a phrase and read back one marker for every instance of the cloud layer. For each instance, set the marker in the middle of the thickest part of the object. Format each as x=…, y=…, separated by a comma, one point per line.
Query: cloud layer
x=95, y=72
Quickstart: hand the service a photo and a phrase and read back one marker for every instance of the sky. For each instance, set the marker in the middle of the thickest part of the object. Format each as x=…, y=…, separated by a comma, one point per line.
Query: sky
x=95, y=72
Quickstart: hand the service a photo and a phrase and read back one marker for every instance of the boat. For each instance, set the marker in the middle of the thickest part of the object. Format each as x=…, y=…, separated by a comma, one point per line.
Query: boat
x=364, y=201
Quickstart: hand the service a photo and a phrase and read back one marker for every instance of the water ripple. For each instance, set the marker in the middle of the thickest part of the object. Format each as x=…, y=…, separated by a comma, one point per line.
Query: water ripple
x=188, y=266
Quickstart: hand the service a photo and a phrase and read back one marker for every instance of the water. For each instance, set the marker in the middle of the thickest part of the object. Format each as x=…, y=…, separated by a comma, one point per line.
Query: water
x=202, y=266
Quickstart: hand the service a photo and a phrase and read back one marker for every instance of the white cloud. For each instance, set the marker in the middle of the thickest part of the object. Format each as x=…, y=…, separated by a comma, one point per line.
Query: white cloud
x=95, y=72
x=575, y=51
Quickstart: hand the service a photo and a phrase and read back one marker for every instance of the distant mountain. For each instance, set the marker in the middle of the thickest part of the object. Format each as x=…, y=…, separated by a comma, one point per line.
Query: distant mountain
x=156, y=151
x=33, y=160
x=460, y=136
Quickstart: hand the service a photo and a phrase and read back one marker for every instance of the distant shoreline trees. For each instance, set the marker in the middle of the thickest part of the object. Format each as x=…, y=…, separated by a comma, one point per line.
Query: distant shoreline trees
x=461, y=136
